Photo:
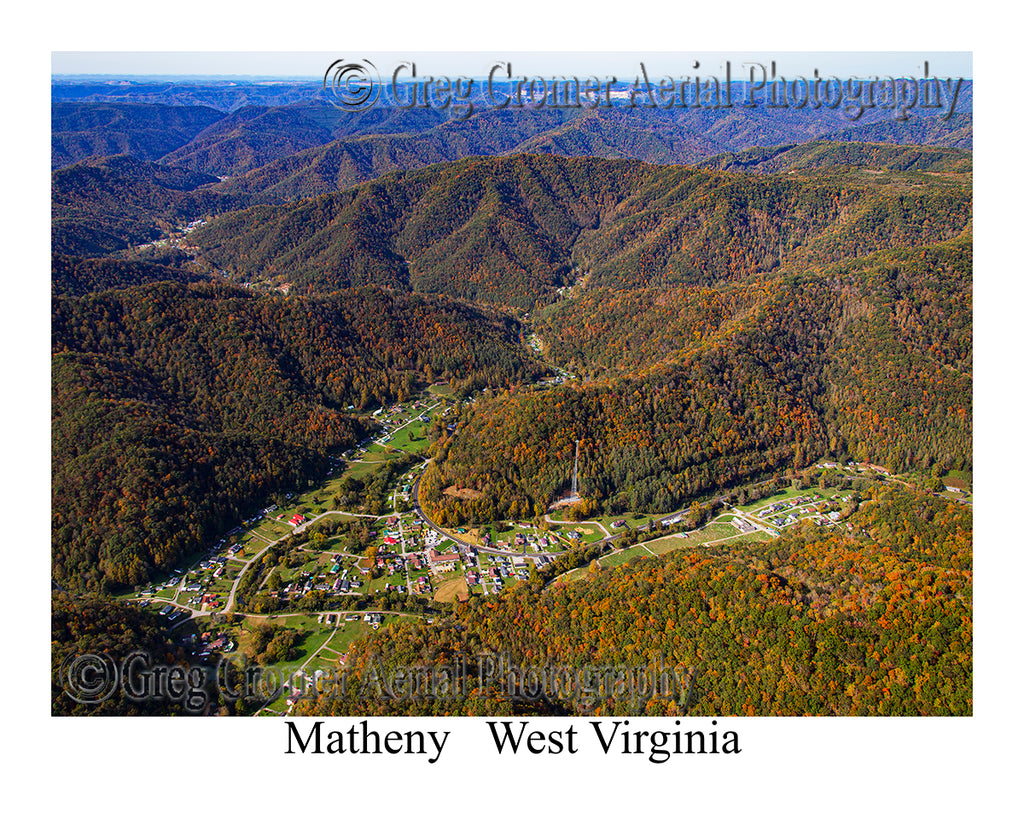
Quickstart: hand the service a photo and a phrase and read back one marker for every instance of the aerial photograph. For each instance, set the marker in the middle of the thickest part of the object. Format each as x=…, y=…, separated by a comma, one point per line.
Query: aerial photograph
x=513, y=386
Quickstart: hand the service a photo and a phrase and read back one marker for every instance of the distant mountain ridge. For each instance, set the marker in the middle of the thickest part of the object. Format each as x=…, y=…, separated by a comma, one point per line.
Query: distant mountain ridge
x=86, y=130
x=257, y=141
x=661, y=137
x=510, y=229
x=819, y=155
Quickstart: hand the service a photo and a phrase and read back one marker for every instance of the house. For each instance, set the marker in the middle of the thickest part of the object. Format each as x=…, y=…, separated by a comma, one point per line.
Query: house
x=442, y=562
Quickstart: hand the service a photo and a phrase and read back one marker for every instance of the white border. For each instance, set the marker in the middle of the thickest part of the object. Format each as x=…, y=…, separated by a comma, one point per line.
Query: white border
x=789, y=766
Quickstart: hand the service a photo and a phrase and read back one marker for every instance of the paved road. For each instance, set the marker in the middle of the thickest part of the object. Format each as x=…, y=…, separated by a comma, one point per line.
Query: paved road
x=241, y=572
x=415, y=495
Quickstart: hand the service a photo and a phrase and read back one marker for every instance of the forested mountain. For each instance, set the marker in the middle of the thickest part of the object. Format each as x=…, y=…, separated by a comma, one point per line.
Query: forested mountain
x=496, y=230
x=875, y=622
x=347, y=162
x=730, y=324
x=655, y=136
x=817, y=156
x=211, y=162
x=697, y=389
x=94, y=626
x=76, y=276
x=510, y=229
x=105, y=205
x=701, y=227
x=700, y=299
x=147, y=132
x=213, y=92
x=276, y=152
x=176, y=409
x=955, y=132
x=760, y=354
x=253, y=136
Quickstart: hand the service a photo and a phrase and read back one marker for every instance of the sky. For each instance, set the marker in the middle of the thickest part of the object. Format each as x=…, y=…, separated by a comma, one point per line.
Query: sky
x=313, y=64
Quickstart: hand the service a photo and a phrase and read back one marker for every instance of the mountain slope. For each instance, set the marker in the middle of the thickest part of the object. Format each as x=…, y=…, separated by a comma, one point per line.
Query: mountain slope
x=178, y=409
x=821, y=155
x=83, y=130
x=495, y=230
x=689, y=391
x=955, y=132
x=815, y=622
x=104, y=205
x=75, y=276
x=685, y=136
x=509, y=230
x=253, y=136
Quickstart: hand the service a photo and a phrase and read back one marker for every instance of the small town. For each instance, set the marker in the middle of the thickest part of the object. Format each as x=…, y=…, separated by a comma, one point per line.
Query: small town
x=321, y=568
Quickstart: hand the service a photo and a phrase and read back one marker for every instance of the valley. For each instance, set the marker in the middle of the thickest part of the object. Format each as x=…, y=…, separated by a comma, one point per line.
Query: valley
x=399, y=388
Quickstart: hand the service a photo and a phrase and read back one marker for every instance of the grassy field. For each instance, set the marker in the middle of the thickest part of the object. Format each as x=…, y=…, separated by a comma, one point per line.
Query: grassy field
x=590, y=533
x=362, y=469
x=959, y=478
x=785, y=495
x=631, y=519
x=668, y=544
x=664, y=545
x=334, y=545
x=618, y=558
x=378, y=584
x=449, y=590
x=411, y=438
x=713, y=531
x=273, y=530
x=377, y=454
